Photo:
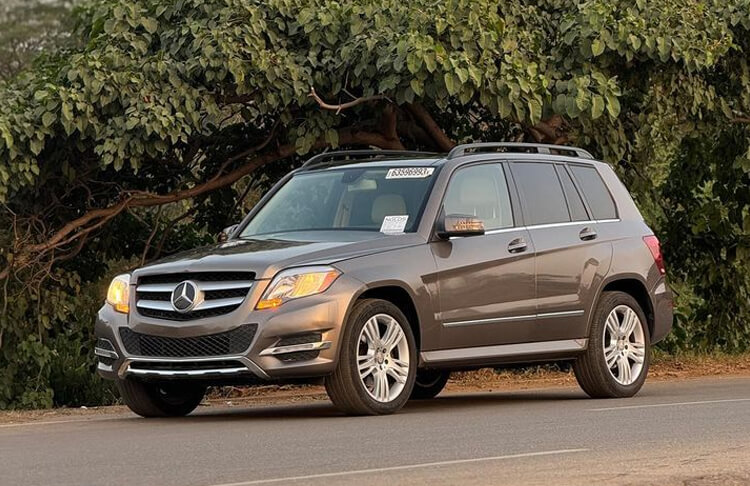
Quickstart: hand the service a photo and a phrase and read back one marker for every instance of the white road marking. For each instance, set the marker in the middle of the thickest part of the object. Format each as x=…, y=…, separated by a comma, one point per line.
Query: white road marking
x=402, y=468
x=672, y=404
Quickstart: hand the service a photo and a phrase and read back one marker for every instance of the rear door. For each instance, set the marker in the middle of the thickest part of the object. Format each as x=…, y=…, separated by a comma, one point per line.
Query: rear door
x=570, y=259
x=486, y=283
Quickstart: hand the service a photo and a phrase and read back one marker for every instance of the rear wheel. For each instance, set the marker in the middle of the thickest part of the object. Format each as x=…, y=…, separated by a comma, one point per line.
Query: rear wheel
x=429, y=383
x=160, y=399
x=616, y=362
x=377, y=361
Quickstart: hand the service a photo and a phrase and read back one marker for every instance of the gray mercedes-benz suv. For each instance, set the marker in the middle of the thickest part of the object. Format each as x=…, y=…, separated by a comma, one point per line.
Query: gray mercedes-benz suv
x=381, y=272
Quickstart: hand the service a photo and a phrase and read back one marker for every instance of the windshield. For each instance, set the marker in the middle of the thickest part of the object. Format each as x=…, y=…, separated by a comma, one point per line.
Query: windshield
x=389, y=200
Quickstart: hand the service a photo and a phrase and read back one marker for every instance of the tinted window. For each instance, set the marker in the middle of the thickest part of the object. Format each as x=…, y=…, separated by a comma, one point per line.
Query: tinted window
x=480, y=191
x=596, y=193
x=575, y=203
x=542, y=196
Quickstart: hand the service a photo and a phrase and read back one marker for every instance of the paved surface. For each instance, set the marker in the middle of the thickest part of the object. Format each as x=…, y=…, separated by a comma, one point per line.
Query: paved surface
x=690, y=432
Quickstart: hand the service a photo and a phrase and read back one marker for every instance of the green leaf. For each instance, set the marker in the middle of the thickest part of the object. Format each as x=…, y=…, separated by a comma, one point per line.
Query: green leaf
x=48, y=119
x=151, y=25
x=597, y=47
x=613, y=106
x=450, y=84
x=597, y=106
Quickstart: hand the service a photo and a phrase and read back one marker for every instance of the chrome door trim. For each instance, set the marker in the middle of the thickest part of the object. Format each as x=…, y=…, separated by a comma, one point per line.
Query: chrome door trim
x=495, y=320
x=498, y=320
x=505, y=350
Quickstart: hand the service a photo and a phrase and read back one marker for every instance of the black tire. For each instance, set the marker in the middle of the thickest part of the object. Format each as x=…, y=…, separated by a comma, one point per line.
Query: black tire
x=429, y=383
x=160, y=399
x=344, y=387
x=591, y=370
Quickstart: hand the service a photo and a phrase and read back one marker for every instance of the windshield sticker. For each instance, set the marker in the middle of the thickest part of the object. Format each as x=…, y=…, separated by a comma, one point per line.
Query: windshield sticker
x=410, y=173
x=393, y=225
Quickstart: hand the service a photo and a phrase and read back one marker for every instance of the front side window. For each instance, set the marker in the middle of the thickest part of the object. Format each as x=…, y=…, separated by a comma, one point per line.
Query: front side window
x=542, y=196
x=352, y=199
x=480, y=191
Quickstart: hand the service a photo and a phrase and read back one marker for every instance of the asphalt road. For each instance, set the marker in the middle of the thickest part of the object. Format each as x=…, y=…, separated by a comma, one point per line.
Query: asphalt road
x=690, y=432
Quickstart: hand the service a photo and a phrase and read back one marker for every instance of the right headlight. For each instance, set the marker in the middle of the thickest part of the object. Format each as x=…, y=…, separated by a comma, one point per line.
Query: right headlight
x=295, y=283
x=118, y=294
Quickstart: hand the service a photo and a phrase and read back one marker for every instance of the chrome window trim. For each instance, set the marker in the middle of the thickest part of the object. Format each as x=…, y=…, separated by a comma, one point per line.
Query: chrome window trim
x=542, y=226
x=505, y=350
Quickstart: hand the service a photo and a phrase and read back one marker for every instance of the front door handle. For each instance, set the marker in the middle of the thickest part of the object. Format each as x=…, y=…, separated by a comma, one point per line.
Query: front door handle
x=517, y=245
x=587, y=233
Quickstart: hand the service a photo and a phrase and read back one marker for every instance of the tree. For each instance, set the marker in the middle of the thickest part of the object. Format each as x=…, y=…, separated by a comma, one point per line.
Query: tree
x=172, y=104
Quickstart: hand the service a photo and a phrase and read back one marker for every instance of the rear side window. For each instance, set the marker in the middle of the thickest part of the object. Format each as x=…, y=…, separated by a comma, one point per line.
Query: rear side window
x=541, y=193
x=575, y=203
x=480, y=191
x=596, y=193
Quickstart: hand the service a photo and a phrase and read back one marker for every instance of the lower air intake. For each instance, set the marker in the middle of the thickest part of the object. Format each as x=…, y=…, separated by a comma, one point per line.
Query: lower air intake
x=226, y=343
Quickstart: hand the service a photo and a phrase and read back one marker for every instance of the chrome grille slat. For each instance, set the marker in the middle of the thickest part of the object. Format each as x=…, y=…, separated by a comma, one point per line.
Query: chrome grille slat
x=155, y=305
x=206, y=286
x=223, y=292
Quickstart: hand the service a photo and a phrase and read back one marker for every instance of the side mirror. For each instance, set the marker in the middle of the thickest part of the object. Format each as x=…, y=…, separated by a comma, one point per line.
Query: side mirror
x=226, y=233
x=459, y=225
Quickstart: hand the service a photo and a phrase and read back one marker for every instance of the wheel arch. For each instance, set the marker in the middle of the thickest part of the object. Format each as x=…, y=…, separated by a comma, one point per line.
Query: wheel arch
x=635, y=286
x=398, y=294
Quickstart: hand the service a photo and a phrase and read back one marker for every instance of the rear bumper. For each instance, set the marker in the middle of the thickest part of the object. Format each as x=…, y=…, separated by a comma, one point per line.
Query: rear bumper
x=663, y=310
x=297, y=341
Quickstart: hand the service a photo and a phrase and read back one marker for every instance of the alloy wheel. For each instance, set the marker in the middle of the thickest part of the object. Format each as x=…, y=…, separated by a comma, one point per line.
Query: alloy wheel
x=383, y=358
x=624, y=344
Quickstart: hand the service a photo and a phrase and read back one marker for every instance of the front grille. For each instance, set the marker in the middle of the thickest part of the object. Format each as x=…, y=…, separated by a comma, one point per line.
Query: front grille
x=222, y=293
x=231, y=342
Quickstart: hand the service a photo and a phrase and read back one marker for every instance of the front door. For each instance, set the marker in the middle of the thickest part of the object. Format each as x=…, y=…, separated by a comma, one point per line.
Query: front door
x=485, y=283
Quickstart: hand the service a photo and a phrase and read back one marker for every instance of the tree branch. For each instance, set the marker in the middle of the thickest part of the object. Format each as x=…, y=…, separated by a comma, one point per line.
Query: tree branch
x=429, y=124
x=96, y=218
x=343, y=106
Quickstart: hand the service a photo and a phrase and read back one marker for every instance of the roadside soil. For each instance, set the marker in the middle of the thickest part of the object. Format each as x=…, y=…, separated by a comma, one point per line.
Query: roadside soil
x=663, y=368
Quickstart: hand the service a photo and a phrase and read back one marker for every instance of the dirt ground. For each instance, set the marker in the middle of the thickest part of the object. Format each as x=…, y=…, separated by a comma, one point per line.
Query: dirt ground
x=663, y=368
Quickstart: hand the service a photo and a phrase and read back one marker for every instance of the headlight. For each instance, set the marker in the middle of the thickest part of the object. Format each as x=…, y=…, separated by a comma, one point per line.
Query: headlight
x=118, y=294
x=295, y=283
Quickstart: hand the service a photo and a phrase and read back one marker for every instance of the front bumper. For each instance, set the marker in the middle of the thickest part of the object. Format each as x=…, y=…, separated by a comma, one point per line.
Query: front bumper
x=299, y=340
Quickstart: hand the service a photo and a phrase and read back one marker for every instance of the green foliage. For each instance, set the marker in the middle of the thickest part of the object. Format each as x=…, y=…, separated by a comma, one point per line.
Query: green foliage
x=159, y=96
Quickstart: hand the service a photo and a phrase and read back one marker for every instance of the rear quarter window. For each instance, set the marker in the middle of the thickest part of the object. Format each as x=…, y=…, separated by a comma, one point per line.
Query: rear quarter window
x=595, y=191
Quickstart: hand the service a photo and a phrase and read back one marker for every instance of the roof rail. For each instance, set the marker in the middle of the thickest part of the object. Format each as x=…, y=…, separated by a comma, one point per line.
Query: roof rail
x=340, y=157
x=540, y=148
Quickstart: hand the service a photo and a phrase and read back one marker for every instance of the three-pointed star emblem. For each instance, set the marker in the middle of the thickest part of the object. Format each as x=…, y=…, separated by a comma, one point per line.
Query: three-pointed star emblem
x=186, y=296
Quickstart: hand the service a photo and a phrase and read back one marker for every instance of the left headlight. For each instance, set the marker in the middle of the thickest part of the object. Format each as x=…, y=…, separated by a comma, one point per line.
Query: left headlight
x=295, y=283
x=118, y=294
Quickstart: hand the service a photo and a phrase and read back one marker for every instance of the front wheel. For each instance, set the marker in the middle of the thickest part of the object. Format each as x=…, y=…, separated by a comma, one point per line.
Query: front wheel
x=377, y=361
x=160, y=399
x=616, y=362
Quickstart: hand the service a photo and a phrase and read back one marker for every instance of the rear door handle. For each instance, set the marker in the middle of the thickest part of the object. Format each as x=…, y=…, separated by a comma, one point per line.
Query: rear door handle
x=587, y=233
x=517, y=245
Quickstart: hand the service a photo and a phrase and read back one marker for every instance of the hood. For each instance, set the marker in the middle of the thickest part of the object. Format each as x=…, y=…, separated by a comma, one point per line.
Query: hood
x=267, y=256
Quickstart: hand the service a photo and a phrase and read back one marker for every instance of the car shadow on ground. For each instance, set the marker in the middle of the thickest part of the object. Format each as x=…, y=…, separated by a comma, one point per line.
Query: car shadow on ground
x=325, y=409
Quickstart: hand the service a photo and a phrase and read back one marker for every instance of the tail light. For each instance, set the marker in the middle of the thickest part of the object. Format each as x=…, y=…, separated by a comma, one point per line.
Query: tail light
x=652, y=242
